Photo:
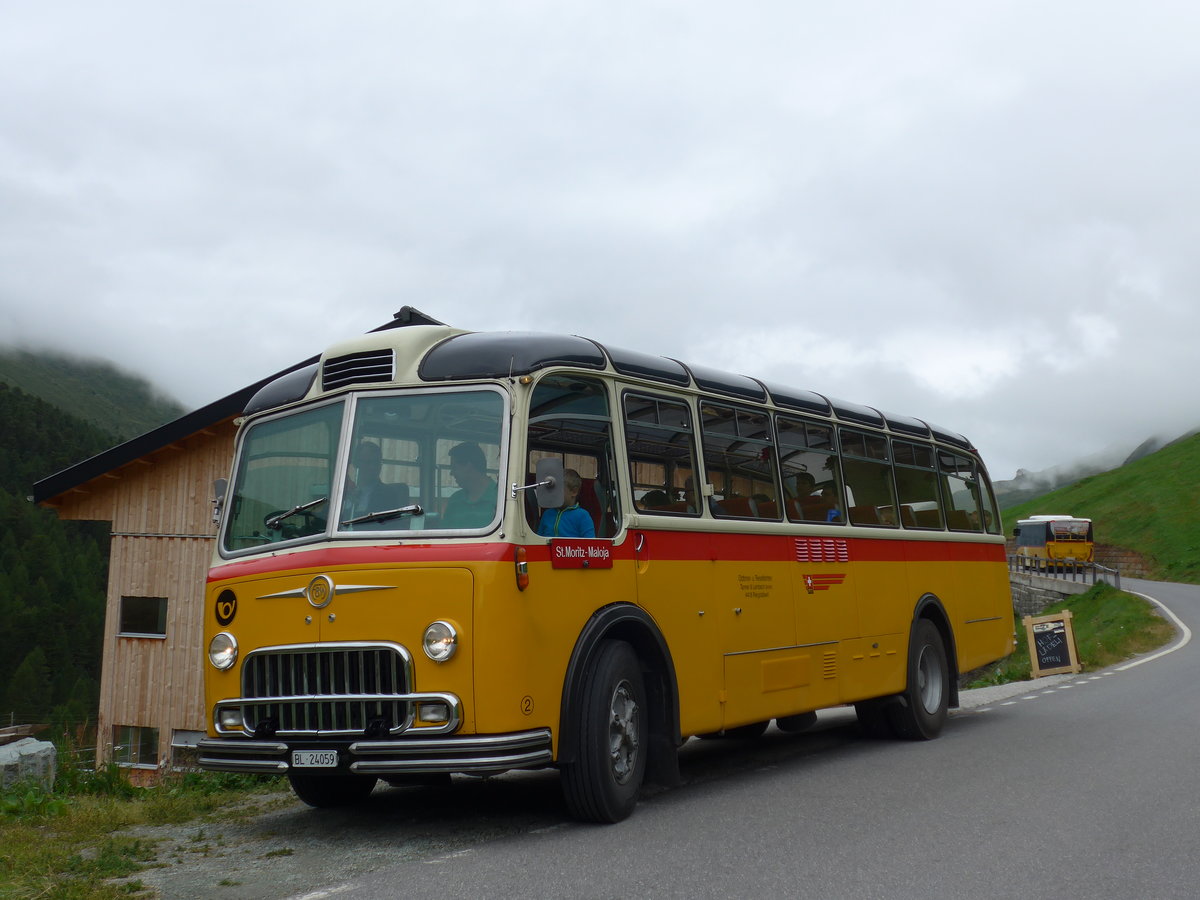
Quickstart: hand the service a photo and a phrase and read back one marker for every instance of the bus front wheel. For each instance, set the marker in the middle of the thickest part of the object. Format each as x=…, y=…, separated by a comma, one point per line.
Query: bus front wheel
x=602, y=783
x=926, y=700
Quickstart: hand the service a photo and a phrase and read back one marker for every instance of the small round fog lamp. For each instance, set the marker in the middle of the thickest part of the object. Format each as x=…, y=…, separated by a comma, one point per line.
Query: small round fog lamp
x=223, y=650
x=441, y=640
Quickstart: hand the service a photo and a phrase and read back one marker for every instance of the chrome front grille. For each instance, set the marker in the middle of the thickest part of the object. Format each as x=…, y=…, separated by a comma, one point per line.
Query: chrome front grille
x=327, y=689
x=368, y=367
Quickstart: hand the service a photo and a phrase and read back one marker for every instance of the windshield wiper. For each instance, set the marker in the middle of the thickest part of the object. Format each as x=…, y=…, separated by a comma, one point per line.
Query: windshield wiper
x=275, y=520
x=414, y=510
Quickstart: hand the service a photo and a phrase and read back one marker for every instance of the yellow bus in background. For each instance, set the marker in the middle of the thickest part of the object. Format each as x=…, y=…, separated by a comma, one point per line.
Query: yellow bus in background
x=1053, y=541
x=384, y=602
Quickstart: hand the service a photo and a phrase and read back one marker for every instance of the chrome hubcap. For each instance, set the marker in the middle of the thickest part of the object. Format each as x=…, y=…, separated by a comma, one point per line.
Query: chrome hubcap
x=929, y=681
x=624, y=728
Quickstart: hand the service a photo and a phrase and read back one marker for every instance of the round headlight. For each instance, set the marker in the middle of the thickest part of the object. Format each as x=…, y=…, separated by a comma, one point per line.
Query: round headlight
x=222, y=650
x=441, y=640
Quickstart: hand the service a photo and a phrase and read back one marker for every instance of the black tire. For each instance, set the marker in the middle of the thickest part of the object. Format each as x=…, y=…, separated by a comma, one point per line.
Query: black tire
x=603, y=782
x=796, y=724
x=927, y=697
x=328, y=791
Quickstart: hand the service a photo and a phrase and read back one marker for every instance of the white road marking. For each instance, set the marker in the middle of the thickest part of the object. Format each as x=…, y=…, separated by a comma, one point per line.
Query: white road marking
x=1184, y=638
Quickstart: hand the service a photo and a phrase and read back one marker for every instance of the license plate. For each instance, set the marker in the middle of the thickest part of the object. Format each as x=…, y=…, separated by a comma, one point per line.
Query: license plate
x=314, y=759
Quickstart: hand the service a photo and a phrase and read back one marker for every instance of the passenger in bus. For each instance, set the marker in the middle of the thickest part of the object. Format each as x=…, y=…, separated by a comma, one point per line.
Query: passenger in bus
x=816, y=505
x=570, y=519
x=369, y=493
x=474, y=504
x=829, y=502
x=693, y=504
x=655, y=499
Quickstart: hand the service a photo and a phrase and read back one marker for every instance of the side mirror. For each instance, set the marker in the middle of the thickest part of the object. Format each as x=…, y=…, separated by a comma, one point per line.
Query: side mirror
x=549, y=488
x=548, y=484
x=220, y=486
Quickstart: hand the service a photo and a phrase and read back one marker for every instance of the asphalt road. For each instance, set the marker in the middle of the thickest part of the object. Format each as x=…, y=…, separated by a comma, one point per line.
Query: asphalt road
x=1066, y=786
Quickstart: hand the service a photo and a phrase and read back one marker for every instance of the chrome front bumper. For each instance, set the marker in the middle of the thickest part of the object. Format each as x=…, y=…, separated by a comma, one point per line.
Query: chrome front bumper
x=471, y=754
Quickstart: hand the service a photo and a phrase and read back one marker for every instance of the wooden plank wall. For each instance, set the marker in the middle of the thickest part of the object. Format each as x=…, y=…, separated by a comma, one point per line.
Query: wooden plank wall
x=155, y=682
x=161, y=513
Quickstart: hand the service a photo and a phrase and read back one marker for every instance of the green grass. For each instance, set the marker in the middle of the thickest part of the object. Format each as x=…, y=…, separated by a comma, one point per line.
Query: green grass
x=1109, y=626
x=1148, y=506
x=60, y=844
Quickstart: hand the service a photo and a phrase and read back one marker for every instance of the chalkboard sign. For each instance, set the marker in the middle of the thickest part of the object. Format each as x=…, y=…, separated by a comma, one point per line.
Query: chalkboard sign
x=1051, y=644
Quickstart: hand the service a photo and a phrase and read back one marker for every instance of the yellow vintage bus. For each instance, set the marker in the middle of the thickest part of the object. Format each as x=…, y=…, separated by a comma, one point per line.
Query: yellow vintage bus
x=389, y=598
x=1054, y=541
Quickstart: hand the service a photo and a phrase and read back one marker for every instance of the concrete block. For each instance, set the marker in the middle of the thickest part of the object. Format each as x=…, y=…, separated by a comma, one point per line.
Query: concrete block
x=28, y=760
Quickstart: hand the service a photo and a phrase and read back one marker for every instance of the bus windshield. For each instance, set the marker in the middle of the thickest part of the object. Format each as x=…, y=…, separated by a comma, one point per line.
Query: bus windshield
x=422, y=461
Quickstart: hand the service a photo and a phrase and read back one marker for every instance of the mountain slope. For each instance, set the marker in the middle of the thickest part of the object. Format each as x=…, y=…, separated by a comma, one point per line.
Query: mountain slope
x=116, y=402
x=1148, y=505
x=55, y=572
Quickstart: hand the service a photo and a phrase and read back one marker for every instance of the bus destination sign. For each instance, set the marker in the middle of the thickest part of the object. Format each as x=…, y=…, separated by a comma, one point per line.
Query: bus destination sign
x=580, y=553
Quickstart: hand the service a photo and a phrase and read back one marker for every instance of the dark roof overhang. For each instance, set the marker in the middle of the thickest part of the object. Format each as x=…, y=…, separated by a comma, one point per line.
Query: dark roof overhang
x=194, y=422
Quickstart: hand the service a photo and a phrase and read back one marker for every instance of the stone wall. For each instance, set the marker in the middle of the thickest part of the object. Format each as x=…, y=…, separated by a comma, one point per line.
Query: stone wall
x=1033, y=593
x=1127, y=562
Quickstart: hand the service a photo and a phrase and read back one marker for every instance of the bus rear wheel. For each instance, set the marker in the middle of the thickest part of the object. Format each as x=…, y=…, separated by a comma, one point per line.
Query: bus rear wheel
x=926, y=699
x=328, y=791
x=603, y=782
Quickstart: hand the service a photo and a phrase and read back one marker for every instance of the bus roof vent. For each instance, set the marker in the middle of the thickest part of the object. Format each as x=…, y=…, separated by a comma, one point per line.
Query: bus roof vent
x=367, y=367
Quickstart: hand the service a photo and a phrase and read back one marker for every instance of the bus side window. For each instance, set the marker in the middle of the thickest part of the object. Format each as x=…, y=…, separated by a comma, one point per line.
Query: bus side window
x=960, y=490
x=739, y=453
x=866, y=466
x=916, y=485
x=809, y=464
x=569, y=419
x=662, y=455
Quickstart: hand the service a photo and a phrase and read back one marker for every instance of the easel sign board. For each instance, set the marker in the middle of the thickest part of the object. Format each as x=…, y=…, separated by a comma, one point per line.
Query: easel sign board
x=1051, y=644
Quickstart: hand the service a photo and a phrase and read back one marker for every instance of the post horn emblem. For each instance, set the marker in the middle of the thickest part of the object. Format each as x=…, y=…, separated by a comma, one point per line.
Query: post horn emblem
x=319, y=591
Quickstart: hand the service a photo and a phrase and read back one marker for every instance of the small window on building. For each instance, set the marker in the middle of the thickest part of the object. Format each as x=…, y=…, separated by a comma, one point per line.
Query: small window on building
x=183, y=753
x=144, y=616
x=186, y=739
x=134, y=746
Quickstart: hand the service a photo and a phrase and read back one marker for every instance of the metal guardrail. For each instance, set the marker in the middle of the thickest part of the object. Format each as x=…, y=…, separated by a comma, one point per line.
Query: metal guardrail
x=1065, y=569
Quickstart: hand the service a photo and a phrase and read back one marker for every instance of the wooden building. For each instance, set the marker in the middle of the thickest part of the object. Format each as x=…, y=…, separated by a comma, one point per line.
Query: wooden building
x=157, y=492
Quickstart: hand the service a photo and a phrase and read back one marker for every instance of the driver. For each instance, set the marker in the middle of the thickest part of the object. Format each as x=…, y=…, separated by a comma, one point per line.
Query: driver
x=369, y=493
x=474, y=504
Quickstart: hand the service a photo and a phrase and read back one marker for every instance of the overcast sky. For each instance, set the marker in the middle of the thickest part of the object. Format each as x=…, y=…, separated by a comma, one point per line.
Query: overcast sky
x=983, y=214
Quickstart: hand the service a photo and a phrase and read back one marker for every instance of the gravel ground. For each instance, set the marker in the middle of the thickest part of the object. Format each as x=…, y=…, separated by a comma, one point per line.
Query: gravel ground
x=276, y=848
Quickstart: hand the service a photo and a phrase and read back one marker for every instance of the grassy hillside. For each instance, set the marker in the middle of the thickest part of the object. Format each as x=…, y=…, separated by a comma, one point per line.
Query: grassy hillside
x=116, y=402
x=1148, y=505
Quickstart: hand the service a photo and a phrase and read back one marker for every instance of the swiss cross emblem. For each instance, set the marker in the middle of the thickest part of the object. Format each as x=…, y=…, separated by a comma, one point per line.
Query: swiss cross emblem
x=823, y=582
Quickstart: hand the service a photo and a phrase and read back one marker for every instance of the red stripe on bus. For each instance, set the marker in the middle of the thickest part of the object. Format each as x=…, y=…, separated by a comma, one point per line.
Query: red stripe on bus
x=329, y=557
x=657, y=545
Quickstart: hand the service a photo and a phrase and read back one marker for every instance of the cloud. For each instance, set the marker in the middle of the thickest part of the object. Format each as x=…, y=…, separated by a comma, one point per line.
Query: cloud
x=980, y=215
